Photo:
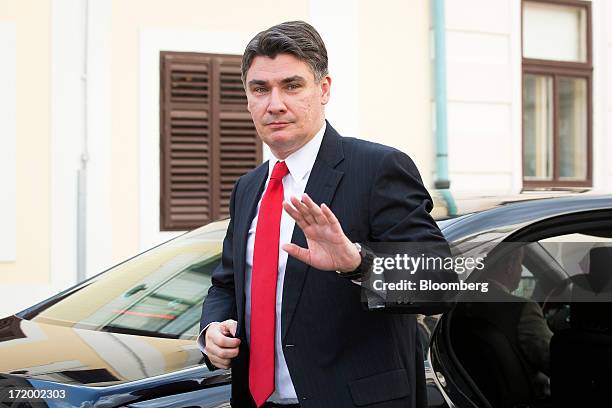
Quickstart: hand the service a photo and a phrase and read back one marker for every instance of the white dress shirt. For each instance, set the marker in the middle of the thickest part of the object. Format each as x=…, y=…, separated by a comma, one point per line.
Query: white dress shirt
x=300, y=165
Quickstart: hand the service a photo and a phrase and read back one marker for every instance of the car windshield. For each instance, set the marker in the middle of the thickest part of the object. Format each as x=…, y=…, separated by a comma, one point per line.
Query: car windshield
x=157, y=293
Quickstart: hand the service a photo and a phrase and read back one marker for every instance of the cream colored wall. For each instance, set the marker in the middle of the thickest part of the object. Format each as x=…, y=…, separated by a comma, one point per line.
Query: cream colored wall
x=33, y=123
x=395, y=79
x=128, y=20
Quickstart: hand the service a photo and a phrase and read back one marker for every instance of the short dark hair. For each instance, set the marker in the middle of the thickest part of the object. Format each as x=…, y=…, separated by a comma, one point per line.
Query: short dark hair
x=297, y=38
x=499, y=265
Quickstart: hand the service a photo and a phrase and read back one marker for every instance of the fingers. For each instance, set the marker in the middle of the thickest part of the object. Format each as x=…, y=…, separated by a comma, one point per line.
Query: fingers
x=220, y=346
x=221, y=358
x=221, y=362
x=305, y=212
x=331, y=218
x=297, y=252
x=230, y=327
x=219, y=340
x=224, y=364
x=314, y=210
x=295, y=214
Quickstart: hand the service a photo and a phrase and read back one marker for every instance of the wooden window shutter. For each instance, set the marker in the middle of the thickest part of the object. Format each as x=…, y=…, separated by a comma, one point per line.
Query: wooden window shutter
x=236, y=141
x=208, y=139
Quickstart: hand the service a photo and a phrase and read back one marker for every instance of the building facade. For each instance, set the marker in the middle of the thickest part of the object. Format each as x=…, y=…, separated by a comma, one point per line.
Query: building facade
x=82, y=114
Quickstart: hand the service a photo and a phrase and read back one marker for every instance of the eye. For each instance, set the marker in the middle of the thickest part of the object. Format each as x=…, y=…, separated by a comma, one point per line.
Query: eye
x=259, y=89
x=293, y=86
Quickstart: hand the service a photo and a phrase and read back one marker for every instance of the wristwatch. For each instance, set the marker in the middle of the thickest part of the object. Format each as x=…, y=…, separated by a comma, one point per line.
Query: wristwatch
x=362, y=273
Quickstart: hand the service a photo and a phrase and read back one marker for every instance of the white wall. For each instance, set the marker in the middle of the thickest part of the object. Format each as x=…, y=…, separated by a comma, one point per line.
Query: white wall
x=99, y=118
x=67, y=127
x=603, y=91
x=484, y=95
x=338, y=24
x=80, y=121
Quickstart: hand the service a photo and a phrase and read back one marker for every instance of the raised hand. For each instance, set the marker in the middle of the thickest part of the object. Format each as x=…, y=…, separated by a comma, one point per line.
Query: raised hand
x=328, y=248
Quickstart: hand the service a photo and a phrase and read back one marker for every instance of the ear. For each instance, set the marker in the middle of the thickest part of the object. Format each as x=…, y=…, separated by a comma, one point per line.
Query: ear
x=325, y=89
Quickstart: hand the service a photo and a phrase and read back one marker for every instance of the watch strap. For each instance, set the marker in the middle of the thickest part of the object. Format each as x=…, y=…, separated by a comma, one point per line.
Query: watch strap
x=362, y=272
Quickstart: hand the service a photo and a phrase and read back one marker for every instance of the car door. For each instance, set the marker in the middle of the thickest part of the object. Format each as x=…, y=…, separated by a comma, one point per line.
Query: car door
x=559, y=245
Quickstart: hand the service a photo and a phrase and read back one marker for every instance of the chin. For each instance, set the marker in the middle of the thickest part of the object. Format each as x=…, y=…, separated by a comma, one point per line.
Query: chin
x=280, y=137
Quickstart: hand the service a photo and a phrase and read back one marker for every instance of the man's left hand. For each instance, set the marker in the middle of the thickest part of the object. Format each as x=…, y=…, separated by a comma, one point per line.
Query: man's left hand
x=328, y=248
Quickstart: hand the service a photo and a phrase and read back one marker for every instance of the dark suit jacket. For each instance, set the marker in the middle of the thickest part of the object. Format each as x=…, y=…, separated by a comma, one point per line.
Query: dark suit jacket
x=338, y=353
x=522, y=322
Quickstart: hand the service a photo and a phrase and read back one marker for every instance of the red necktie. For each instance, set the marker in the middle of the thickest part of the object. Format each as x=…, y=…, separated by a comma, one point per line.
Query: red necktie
x=263, y=287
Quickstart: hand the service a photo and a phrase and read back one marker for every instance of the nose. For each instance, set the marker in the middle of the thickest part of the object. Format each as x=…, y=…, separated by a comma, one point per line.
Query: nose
x=276, y=104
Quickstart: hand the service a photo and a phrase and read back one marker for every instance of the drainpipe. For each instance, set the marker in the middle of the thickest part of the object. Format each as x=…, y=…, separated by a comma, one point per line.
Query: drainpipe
x=442, y=182
x=82, y=172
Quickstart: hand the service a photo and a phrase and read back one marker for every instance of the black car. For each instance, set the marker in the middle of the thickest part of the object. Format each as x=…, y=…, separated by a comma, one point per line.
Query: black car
x=125, y=338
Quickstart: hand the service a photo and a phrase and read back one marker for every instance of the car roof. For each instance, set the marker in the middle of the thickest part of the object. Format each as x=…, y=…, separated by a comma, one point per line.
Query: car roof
x=468, y=204
x=509, y=216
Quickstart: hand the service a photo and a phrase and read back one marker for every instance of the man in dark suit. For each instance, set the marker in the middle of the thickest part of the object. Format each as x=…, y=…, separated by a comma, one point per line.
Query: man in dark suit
x=285, y=308
x=519, y=319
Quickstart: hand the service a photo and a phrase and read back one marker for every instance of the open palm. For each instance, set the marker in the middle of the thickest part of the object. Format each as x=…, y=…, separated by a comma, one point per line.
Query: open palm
x=328, y=248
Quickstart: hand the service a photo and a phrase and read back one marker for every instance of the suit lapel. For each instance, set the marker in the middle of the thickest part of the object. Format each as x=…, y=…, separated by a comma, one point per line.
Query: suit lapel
x=246, y=207
x=321, y=186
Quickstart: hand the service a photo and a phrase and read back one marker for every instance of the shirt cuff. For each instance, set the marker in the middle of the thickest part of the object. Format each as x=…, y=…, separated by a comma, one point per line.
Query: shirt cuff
x=201, y=340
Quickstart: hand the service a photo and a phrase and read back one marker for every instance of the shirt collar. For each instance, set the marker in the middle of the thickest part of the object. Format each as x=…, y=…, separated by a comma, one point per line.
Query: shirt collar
x=301, y=161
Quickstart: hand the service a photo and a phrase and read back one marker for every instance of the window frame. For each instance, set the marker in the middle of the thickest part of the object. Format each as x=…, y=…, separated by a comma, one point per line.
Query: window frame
x=557, y=70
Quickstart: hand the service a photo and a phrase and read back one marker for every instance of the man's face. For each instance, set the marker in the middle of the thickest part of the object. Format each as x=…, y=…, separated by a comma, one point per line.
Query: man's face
x=285, y=101
x=516, y=269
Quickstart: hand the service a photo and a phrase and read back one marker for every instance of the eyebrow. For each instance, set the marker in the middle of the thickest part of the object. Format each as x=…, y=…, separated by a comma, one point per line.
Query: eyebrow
x=294, y=78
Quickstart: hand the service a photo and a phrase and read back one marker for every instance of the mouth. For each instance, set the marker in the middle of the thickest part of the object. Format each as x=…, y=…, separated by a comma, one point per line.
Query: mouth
x=278, y=124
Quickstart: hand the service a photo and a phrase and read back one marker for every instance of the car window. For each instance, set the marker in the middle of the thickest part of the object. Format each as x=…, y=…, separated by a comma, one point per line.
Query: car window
x=527, y=284
x=571, y=251
x=157, y=293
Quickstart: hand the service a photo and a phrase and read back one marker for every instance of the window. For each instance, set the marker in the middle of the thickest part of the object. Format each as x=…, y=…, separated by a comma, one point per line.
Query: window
x=208, y=139
x=557, y=84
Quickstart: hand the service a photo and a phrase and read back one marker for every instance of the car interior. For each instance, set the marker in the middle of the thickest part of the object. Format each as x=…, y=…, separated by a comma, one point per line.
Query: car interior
x=562, y=265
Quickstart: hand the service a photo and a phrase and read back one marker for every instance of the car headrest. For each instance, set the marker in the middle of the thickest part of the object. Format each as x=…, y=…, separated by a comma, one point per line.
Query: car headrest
x=600, y=268
x=593, y=312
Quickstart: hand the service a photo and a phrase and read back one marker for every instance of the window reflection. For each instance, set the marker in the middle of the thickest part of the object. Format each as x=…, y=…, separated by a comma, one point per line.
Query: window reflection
x=554, y=32
x=172, y=307
x=538, y=127
x=572, y=128
x=158, y=293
